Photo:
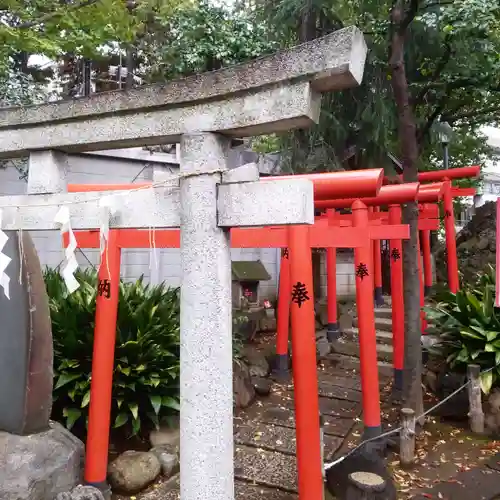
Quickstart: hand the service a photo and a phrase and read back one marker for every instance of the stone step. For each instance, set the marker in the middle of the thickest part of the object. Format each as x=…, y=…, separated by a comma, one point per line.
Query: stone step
x=266, y=468
x=383, y=337
x=276, y=438
x=170, y=490
x=349, y=362
x=380, y=324
x=383, y=312
x=350, y=348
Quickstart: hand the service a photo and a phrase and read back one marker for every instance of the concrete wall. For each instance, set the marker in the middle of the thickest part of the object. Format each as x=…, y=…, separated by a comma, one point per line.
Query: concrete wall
x=156, y=265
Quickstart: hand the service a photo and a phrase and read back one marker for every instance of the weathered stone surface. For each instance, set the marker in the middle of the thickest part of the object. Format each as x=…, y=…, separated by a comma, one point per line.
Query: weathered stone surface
x=132, y=471
x=26, y=356
x=262, y=385
x=333, y=62
x=82, y=493
x=475, y=245
x=244, y=392
x=166, y=438
x=169, y=461
x=276, y=437
x=364, y=460
x=243, y=491
x=334, y=391
x=39, y=466
x=478, y=483
x=265, y=467
x=257, y=362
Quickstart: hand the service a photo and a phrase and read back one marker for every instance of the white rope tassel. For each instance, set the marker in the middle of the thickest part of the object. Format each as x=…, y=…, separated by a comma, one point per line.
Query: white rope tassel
x=70, y=264
x=4, y=261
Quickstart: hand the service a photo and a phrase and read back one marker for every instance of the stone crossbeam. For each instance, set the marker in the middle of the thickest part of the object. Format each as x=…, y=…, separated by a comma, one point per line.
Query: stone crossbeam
x=229, y=101
x=286, y=202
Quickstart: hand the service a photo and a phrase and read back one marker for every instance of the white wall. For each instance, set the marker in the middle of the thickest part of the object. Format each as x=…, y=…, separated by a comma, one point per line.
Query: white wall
x=156, y=265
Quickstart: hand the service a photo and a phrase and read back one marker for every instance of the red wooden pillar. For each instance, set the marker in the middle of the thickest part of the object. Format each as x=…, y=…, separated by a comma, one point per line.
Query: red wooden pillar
x=96, y=461
x=366, y=318
x=332, y=331
x=283, y=321
x=421, y=287
x=451, y=243
x=398, y=313
x=305, y=377
x=377, y=267
x=426, y=249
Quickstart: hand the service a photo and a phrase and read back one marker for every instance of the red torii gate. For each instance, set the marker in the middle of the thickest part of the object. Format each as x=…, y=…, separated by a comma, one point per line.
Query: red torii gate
x=329, y=185
x=449, y=193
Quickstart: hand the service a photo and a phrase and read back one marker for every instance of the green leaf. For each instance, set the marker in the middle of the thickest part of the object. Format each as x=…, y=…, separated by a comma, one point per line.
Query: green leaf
x=72, y=415
x=169, y=402
x=156, y=402
x=65, y=379
x=497, y=358
x=86, y=399
x=489, y=348
x=121, y=419
x=134, y=409
x=486, y=380
x=136, y=426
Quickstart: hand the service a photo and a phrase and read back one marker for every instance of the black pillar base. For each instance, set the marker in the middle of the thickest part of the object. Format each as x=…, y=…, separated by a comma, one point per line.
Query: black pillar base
x=378, y=297
x=281, y=366
x=332, y=332
x=427, y=290
x=371, y=432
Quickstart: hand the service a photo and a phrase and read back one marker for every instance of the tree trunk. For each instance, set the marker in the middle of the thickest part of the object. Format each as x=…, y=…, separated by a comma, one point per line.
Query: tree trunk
x=412, y=375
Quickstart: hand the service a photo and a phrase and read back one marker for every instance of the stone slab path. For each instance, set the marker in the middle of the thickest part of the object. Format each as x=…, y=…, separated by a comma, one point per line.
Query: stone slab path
x=265, y=446
x=478, y=483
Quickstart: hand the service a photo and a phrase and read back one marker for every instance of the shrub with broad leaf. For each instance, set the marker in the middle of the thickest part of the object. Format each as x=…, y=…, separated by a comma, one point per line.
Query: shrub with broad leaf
x=146, y=366
x=468, y=327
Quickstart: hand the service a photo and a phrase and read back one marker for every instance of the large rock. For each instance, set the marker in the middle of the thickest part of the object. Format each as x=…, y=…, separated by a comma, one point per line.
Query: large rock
x=169, y=461
x=82, y=493
x=39, y=466
x=475, y=245
x=166, y=438
x=243, y=389
x=492, y=412
x=257, y=362
x=132, y=471
x=26, y=357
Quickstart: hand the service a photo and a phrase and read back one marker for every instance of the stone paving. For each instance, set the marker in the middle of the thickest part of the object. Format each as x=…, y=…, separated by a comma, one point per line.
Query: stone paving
x=265, y=446
x=478, y=483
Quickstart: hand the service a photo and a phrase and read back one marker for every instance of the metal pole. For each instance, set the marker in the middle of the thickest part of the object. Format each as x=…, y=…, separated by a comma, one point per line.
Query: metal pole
x=446, y=159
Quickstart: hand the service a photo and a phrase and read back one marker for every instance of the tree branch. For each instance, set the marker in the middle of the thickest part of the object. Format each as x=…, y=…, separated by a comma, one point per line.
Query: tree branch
x=409, y=16
x=51, y=15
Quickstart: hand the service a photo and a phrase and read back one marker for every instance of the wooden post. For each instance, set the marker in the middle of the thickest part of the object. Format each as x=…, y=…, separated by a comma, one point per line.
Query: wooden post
x=363, y=484
x=407, y=437
x=476, y=415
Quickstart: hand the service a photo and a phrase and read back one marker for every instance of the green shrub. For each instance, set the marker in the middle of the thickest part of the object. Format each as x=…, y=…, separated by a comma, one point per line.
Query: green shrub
x=146, y=368
x=468, y=327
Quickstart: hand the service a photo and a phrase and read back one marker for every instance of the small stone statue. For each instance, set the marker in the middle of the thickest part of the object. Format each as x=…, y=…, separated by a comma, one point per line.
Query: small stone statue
x=81, y=493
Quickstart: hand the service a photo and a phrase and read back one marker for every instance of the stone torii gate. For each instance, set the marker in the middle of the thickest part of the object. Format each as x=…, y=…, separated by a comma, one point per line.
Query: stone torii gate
x=203, y=113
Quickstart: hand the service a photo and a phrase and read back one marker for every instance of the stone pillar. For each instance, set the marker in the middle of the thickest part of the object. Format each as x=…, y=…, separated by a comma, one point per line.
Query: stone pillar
x=206, y=330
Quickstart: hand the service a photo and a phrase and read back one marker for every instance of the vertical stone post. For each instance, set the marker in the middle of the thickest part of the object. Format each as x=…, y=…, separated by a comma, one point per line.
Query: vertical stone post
x=407, y=437
x=206, y=330
x=476, y=415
